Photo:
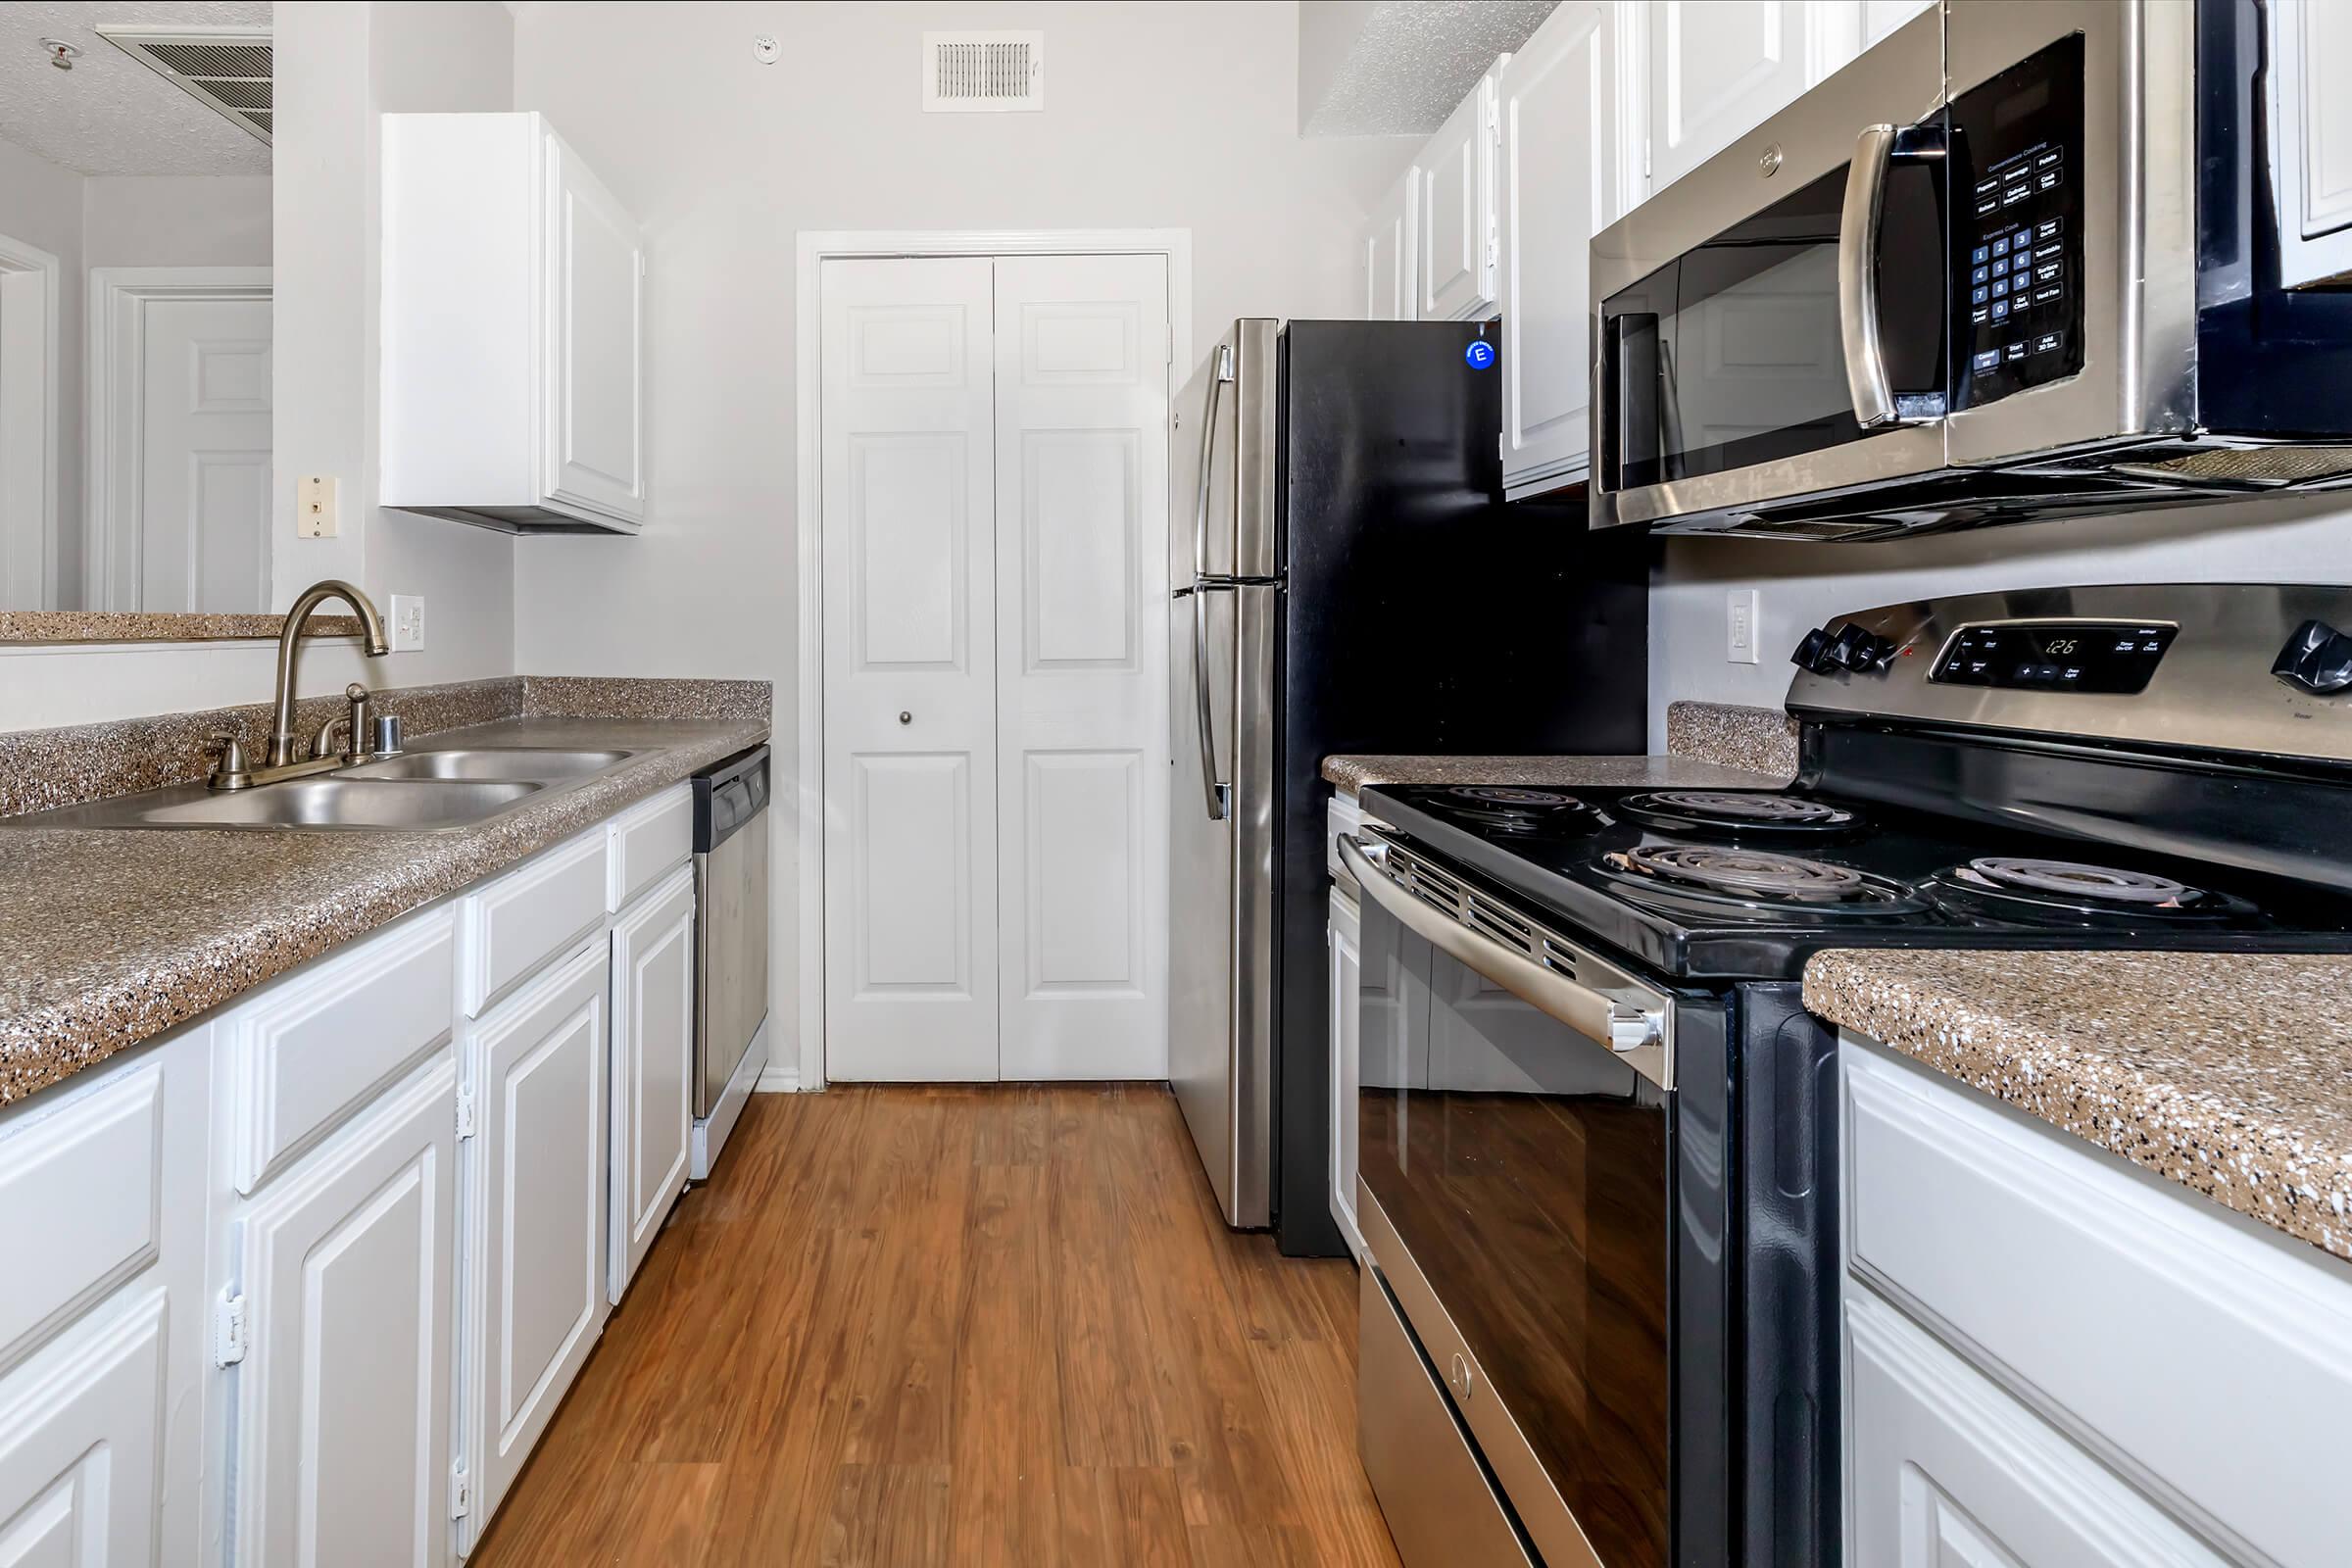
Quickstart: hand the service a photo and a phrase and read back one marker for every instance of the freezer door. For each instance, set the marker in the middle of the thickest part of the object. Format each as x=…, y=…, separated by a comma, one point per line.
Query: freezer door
x=1221, y=461
x=1220, y=873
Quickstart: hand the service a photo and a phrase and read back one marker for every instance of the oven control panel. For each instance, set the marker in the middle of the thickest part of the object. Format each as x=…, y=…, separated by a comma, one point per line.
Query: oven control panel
x=2116, y=658
x=2016, y=166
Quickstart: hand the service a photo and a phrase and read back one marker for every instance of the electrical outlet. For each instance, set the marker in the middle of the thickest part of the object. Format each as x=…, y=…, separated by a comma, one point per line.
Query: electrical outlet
x=408, y=624
x=1742, y=611
x=315, y=506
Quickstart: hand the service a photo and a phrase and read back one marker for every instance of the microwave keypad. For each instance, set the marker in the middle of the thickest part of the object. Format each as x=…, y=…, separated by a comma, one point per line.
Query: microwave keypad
x=2017, y=307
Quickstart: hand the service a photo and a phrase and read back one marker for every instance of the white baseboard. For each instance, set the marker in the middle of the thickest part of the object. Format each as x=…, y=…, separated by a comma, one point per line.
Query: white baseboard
x=778, y=1078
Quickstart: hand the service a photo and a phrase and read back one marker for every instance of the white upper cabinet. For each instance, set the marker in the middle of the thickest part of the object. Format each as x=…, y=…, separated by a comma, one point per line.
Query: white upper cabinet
x=1717, y=70
x=513, y=329
x=1559, y=185
x=1387, y=245
x=2311, y=139
x=1453, y=211
x=1882, y=16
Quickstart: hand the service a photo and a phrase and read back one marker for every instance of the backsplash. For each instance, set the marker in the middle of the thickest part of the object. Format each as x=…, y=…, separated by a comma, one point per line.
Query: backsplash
x=1760, y=738
x=41, y=769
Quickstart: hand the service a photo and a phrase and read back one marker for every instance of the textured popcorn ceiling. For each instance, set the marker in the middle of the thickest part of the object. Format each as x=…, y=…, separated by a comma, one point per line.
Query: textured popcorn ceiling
x=1413, y=60
x=110, y=115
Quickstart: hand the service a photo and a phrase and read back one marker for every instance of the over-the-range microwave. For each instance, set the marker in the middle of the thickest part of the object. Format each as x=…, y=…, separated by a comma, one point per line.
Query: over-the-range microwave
x=2018, y=261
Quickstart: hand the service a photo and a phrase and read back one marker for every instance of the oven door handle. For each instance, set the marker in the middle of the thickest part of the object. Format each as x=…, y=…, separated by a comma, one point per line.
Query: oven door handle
x=1859, y=221
x=1631, y=1032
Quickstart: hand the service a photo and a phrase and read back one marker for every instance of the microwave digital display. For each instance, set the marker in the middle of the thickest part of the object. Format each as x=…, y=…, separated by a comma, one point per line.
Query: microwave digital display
x=2016, y=165
x=2117, y=658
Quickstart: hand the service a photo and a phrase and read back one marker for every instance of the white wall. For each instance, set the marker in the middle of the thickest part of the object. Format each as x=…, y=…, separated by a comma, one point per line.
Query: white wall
x=175, y=220
x=2307, y=540
x=1164, y=116
x=340, y=67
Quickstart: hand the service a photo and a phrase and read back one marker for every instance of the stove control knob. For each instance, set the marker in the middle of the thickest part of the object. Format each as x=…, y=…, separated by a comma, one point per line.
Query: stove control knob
x=1813, y=653
x=2317, y=657
x=1859, y=651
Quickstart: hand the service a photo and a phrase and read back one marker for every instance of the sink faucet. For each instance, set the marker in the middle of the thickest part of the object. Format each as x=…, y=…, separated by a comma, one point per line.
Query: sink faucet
x=283, y=761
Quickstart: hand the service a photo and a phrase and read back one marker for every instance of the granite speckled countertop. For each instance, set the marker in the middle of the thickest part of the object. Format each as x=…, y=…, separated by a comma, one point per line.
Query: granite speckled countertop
x=2228, y=1074
x=109, y=936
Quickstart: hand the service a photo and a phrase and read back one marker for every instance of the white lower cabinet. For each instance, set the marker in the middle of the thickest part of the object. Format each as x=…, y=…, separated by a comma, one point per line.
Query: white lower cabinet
x=1950, y=1472
x=342, y=1372
x=1346, y=966
x=653, y=1067
x=535, y=1218
x=82, y=1447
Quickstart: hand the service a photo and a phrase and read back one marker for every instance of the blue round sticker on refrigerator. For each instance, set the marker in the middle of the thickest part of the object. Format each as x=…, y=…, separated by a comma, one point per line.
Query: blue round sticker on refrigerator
x=1479, y=355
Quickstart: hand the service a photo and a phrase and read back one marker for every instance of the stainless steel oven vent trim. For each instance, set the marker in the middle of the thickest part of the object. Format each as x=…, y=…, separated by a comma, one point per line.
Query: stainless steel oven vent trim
x=1535, y=963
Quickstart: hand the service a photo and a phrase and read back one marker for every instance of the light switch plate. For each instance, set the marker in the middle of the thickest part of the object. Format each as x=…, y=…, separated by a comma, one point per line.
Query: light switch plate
x=1741, y=611
x=408, y=624
x=316, y=498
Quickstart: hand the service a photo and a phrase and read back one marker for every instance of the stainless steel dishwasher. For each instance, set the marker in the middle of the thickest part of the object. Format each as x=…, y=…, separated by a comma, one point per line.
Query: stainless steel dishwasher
x=730, y=946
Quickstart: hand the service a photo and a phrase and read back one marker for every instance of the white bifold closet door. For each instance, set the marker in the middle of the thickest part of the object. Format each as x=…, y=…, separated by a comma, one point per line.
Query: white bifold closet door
x=994, y=449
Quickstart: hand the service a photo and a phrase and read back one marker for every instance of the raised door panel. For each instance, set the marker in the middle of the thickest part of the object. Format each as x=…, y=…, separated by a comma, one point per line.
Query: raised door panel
x=1389, y=240
x=81, y=1205
x=2311, y=138
x=342, y=1401
x=200, y=537
x=1082, y=366
x=595, y=431
x=1346, y=972
x=1454, y=214
x=1716, y=72
x=1557, y=104
x=911, y=650
x=653, y=1050
x=82, y=1440
x=537, y=1224
x=1880, y=18
x=1946, y=1471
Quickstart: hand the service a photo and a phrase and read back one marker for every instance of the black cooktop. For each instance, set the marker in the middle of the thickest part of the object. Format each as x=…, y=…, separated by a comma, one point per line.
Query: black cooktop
x=1746, y=884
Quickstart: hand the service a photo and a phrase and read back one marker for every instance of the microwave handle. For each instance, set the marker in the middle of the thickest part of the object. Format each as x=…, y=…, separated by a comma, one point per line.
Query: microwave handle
x=1858, y=224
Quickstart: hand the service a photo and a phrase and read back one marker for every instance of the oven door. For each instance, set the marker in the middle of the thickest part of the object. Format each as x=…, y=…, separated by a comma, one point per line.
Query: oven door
x=1515, y=1187
x=1774, y=326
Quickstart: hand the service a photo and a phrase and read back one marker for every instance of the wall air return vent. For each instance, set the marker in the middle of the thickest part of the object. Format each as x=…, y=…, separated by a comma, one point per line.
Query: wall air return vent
x=983, y=72
x=227, y=70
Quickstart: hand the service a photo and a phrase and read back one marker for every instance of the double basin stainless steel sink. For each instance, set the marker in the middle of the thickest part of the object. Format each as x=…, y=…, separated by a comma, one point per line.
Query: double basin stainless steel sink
x=415, y=792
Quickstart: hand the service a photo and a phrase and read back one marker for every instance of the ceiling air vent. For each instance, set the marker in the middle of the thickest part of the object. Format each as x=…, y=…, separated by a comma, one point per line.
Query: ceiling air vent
x=227, y=70
x=983, y=72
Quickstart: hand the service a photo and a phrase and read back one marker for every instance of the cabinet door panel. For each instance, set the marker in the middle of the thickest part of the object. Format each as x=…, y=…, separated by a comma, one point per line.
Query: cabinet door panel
x=1389, y=240
x=1454, y=214
x=652, y=1052
x=595, y=434
x=81, y=1447
x=1345, y=969
x=536, y=1289
x=2311, y=137
x=1717, y=70
x=1949, y=1472
x=1557, y=104
x=342, y=1414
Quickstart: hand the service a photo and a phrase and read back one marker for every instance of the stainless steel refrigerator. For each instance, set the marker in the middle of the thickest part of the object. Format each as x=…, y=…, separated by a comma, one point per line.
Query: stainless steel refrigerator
x=1347, y=579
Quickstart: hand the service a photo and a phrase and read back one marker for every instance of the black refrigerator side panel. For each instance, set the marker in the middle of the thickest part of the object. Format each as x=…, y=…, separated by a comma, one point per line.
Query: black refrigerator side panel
x=1421, y=615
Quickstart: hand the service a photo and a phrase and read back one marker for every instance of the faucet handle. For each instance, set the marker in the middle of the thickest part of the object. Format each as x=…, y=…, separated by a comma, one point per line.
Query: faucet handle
x=231, y=771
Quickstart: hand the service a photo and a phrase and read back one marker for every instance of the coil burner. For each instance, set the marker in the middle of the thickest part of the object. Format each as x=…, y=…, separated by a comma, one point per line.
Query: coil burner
x=1750, y=874
x=1735, y=813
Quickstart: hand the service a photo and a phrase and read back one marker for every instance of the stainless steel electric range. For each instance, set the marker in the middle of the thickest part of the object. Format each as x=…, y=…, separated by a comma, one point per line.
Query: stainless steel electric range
x=1598, y=1144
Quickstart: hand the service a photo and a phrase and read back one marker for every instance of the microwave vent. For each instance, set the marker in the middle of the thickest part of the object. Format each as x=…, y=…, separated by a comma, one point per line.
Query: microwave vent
x=227, y=71
x=983, y=72
x=2255, y=468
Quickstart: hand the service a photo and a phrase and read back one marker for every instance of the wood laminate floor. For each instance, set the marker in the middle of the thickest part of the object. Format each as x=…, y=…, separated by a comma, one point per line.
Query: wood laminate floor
x=908, y=1326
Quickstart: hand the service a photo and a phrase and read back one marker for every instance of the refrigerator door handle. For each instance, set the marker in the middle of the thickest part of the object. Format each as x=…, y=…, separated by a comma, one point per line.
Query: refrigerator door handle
x=1218, y=796
x=1208, y=450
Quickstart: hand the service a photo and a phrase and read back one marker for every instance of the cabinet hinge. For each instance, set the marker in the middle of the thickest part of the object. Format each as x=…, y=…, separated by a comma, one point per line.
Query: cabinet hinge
x=464, y=1114
x=1503, y=445
x=229, y=1328
x=460, y=1491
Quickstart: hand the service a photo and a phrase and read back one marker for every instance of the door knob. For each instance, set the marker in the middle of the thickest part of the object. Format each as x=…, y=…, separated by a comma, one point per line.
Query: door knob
x=906, y=717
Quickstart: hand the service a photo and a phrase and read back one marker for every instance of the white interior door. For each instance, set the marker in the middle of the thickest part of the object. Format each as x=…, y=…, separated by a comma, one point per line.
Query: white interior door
x=909, y=488
x=1082, y=353
x=200, y=532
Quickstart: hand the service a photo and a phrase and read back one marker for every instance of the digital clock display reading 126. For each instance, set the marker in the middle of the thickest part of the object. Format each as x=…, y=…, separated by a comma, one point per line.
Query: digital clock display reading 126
x=2061, y=655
